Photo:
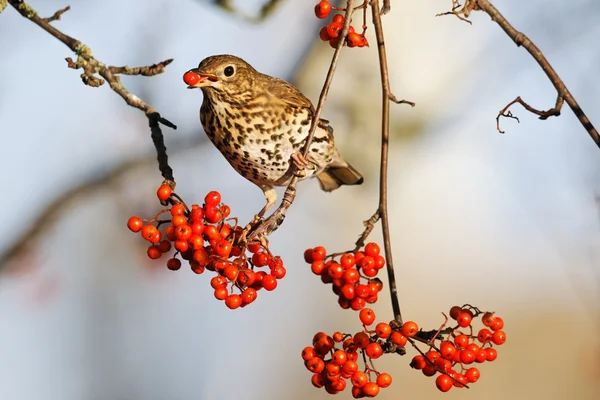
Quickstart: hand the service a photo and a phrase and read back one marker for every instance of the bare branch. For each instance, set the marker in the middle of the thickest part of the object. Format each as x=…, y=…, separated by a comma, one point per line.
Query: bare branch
x=521, y=40
x=91, y=67
x=56, y=16
x=385, y=138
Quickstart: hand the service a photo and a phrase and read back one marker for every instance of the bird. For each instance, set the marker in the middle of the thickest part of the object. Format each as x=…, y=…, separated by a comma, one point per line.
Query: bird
x=260, y=123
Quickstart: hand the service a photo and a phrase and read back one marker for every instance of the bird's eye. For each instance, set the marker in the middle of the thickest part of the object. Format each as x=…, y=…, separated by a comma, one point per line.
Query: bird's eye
x=228, y=70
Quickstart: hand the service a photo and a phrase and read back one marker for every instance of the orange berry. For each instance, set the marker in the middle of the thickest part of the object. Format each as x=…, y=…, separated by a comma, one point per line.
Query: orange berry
x=359, y=379
x=212, y=199
x=135, y=224
x=223, y=248
x=322, y=9
x=333, y=30
x=349, y=366
x=499, y=337
x=367, y=316
x=151, y=234
x=374, y=350
x=492, y=354
x=484, y=335
x=498, y=324
x=410, y=329
x=447, y=349
x=154, y=252
x=315, y=365
x=384, y=380
x=383, y=330
x=338, y=19
x=177, y=209
x=372, y=249
x=371, y=389
x=461, y=341
x=399, y=339
x=472, y=375
x=443, y=383
x=418, y=362
x=308, y=353
x=467, y=356
x=191, y=78
x=164, y=192
x=269, y=282
x=464, y=319
x=233, y=301
x=318, y=381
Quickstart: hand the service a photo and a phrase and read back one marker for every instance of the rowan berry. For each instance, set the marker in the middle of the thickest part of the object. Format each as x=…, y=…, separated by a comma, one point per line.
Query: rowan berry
x=432, y=356
x=322, y=9
x=492, y=354
x=233, y=301
x=499, y=337
x=410, y=329
x=460, y=381
x=371, y=389
x=467, y=356
x=461, y=341
x=154, y=252
x=353, y=39
x=150, y=233
x=399, y=339
x=315, y=364
x=212, y=199
x=464, y=319
x=333, y=31
x=498, y=324
x=357, y=303
x=472, y=375
x=361, y=340
x=174, y=264
x=367, y=316
x=338, y=19
x=164, y=192
x=318, y=381
x=359, y=379
x=429, y=370
x=177, y=209
x=135, y=224
x=347, y=291
x=418, y=362
x=191, y=78
x=269, y=282
x=488, y=319
x=335, y=271
x=181, y=245
x=384, y=380
x=374, y=350
x=447, y=349
x=221, y=293
x=248, y=295
x=480, y=355
x=484, y=335
x=383, y=330
x=454, y=311
x=443, y=383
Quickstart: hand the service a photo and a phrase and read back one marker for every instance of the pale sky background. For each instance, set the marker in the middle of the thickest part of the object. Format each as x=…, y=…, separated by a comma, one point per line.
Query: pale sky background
x=507, y=222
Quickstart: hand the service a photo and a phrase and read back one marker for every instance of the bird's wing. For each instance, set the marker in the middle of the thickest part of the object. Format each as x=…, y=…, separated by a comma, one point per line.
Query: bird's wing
x=287, y=93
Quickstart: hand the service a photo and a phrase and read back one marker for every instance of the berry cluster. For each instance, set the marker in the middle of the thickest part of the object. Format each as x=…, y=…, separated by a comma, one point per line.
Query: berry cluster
x=331, y=32
x=202, y=237
x=461, y=349
x=332, y=364
x=353, y=274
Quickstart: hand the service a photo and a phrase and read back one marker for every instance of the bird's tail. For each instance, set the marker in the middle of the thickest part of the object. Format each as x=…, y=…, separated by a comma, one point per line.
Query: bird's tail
x=337, y=174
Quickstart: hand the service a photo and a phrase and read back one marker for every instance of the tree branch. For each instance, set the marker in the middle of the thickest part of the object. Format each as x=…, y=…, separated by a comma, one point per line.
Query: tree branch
x=91, y=66
x=521, y=40
x=385, y=137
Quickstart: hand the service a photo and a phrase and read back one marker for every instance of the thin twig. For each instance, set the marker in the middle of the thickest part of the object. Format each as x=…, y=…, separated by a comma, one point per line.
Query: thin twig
x=521, y=40
x=91, y=66
x=56, y=16
x=385, y=136
x=271, y=223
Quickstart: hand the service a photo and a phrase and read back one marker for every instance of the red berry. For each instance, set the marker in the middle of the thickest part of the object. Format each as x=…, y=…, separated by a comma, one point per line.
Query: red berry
x=418, y=362
x=464, y=319
x=498, y=324
x=338, y=19
x=269, y=282
x=399, y=339
x=443, y=383
x=492, y=354
x=174, y=264
x=472, y=375
x=410, y=329
x=371, y=389
x=191, y=78
x=467, y=356
x=135, y=224
x=383, y=330
x=248, y=295
x=359, y=379
x=367, y=316
x=372, y=249
x=499, y=337
x=233, y=301
x=447, y=350
x=222, y=248
x=333, y=30
x=164, y=192
x=212, y=199
x=374, y=350
x=315, y=365
x=322, y=9
x=154, y=252
x=484, y=335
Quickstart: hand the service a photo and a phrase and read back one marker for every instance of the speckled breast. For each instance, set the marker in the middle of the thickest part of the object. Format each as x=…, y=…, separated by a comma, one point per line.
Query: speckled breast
x=258, y=141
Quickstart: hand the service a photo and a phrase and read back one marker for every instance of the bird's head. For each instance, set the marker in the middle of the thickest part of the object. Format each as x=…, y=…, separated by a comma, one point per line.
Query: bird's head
x=225, y=73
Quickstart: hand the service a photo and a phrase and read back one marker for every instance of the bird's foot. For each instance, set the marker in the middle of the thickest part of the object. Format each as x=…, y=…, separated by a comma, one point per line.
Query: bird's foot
x=302, y=163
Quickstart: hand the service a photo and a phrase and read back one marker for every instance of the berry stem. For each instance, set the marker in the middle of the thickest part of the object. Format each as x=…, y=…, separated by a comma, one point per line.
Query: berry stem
x=385, y=136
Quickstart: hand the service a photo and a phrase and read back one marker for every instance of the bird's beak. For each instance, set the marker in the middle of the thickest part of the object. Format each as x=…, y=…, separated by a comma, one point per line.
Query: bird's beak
x=205, y=79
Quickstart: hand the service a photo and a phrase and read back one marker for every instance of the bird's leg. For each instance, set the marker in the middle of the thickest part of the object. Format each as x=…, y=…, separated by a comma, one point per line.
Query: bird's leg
x=301, y=163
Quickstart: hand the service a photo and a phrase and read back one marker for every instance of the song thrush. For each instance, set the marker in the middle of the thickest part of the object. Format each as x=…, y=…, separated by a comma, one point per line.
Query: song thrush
x=260, y=124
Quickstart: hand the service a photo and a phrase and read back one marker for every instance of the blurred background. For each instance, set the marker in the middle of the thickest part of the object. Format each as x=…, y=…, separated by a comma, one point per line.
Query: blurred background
x=509, y=222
